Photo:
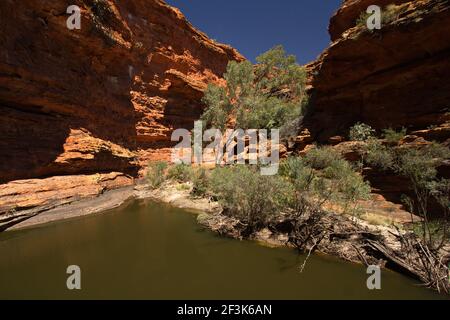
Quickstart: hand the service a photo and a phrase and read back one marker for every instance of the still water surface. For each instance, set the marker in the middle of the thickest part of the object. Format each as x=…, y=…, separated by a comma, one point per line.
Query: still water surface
x=145, y=250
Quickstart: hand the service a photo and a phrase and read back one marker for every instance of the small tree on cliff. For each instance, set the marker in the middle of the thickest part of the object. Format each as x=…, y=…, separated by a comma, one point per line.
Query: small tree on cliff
x=265, y=96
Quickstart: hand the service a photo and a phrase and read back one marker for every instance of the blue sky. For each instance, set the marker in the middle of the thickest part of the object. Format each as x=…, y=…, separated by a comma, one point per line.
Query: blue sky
x=254, y=26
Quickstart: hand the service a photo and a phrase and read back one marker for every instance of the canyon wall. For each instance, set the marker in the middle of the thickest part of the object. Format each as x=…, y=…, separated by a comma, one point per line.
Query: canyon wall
x=394, y=77
x=103, y=98
x=82, y=111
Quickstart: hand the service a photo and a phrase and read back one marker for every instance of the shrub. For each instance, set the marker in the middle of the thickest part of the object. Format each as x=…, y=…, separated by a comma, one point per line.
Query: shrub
x=298, y=172
x=436, y=150
x=379, y=156
x=102, y=15
x=362, y=19
x=321, y=157
x=156, y=174
x=352, y=188
x=332, y=179
x=392, y=136
x=292, y=167
x=420, y=167
x=361, y=132
x=249, y=196
x=441, y=191
x=264, y=96
x=344, y=185
x=180, y=173
x=391, y=13
x=200, y=183
x=337, y=169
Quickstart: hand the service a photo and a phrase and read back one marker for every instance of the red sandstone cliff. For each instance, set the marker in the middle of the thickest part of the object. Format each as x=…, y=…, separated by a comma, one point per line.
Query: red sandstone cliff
x=83, y=110
x=97, y=99
x=347, y=15
x=393, y=77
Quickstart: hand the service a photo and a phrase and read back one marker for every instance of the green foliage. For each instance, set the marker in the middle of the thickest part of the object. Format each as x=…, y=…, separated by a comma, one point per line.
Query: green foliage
x=321, y=157
x=102, y=15
x=180, y=173
x=345, y=185
x=440, y=190
x=337, y=169
x=436, y=232
x=253, y=198
x=183, y=173
x=392, y=136
x=249, y=196
x=361, y=132
x=352, y=187
x=419, y=165
x=378, y=155
x=200, y=183
x=218, y=106
x=327, y=178
x=391, y=13
x=362, y=19
x=298, y=172
x=437, y=151
x=264, y=96
x=156, y=174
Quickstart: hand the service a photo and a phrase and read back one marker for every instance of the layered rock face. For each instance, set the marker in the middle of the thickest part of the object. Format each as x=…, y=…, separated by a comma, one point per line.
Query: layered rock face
x=347, y=15
x=84, y=110
x=105, y=97
x=393, y=77
x=390, y=78
x=24, y=199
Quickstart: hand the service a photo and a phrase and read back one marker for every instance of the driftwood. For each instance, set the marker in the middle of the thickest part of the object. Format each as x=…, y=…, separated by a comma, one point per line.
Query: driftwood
x=312, y=230
x=339, y=235
x=391, y=257
x=417, y=261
